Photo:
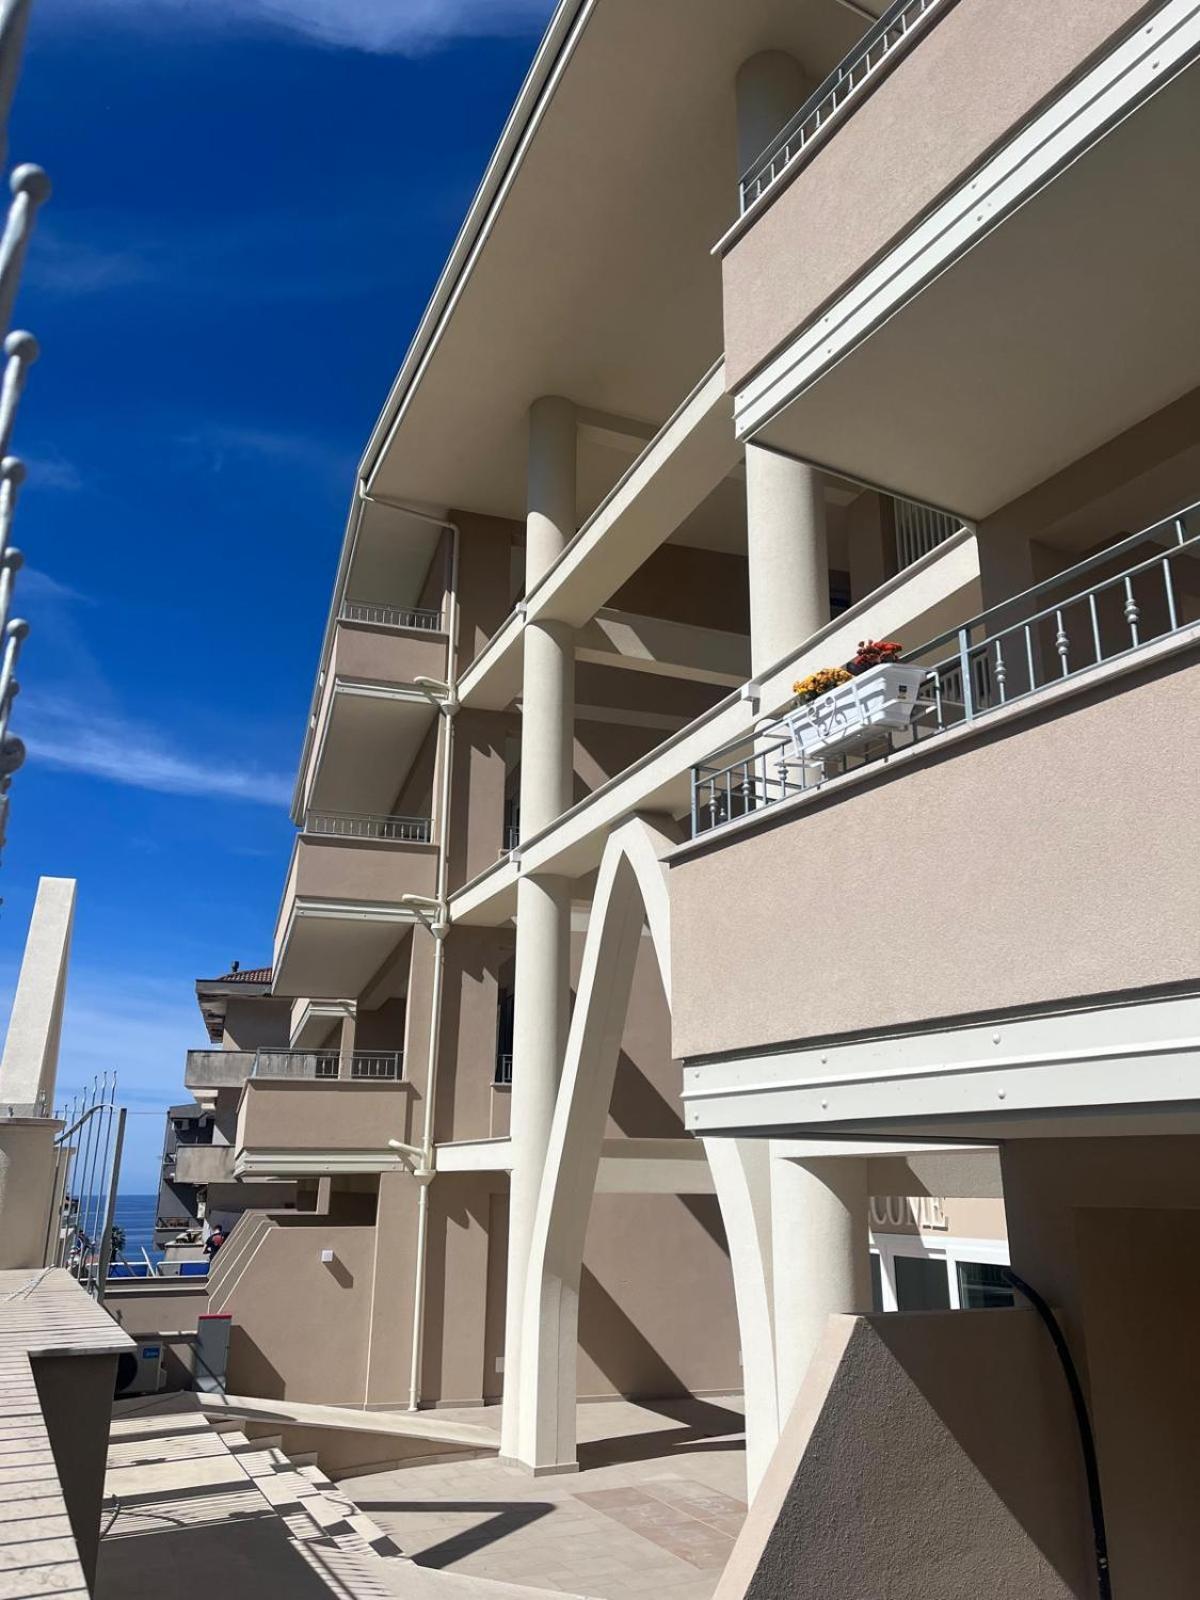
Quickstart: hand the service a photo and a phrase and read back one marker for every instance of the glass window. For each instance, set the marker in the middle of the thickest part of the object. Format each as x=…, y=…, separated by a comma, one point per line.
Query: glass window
x=981, y=1286
x=921, y=1284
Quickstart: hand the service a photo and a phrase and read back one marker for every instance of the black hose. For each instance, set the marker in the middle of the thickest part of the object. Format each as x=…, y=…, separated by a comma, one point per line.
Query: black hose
x=1087, y=1440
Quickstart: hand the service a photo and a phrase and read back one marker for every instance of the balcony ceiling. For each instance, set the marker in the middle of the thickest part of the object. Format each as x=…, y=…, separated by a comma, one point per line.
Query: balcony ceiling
x=1066, y=325
x=327, y=950
x=595, y=280
x=371, y=739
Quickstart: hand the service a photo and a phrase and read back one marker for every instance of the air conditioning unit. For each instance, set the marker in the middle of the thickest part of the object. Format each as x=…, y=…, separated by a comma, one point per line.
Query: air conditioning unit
x=140, y=1372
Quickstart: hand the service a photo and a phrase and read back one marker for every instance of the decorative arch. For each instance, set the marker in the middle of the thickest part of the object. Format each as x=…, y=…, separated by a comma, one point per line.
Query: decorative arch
x=630, y=894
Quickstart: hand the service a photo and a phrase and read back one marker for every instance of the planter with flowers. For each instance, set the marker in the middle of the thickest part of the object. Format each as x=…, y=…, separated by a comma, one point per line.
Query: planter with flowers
x=843, y=707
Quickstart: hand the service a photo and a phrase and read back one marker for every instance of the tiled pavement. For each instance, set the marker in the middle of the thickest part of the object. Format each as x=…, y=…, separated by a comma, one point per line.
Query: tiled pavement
x=655, y=1507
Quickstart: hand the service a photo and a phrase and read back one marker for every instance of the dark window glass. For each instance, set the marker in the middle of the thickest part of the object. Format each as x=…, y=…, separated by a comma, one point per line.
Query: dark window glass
x=981, y=1286
x=921, y=1284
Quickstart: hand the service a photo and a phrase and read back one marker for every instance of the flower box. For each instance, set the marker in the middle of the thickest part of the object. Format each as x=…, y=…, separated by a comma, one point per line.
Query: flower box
x=880, y=700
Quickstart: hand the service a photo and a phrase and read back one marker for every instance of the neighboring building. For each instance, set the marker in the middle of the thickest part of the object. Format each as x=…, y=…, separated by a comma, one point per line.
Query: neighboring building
x=613, y=1015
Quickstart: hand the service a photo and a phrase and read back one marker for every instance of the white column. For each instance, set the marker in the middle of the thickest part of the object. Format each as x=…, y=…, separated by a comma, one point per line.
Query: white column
x=770, y=88
x=786, y=554
x=821, y=1256
x=541, y=979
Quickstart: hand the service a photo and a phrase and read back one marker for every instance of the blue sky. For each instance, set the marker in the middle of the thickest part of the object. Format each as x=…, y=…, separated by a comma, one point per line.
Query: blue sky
x=252, y=201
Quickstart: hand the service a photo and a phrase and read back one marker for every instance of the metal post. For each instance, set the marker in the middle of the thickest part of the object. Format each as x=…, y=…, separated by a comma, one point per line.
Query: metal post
x=106, y=1236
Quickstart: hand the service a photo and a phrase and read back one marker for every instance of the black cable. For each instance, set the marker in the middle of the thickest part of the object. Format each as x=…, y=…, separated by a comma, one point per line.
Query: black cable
x=1087, y=1440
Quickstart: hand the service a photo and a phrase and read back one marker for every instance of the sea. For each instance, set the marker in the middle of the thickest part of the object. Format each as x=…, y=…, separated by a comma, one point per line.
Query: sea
x=136, y=1213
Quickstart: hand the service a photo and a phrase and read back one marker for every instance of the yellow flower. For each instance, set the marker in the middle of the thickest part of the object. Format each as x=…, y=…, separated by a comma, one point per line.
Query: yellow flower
x=820, y=682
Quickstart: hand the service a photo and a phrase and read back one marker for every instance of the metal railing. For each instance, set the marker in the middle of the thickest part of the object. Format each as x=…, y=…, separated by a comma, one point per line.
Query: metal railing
x=829, y=101
x=87, y=1169
x=503, y=1069
x=361, y=825
x=30, y=188
x=920, y=529
x=391, y=616
x=1014, y=649
x=361, y=1066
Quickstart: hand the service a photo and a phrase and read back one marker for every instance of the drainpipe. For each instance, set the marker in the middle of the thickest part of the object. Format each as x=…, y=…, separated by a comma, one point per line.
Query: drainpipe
x=439, y=927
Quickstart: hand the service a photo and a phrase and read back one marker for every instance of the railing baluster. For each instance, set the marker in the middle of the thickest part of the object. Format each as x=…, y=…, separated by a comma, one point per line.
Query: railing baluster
x=1172, y=616
x=1062, y=642
x=1132, y=613
x=1095, y=615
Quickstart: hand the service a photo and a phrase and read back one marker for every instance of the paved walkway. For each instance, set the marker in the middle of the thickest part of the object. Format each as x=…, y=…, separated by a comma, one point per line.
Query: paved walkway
x=654, y=1509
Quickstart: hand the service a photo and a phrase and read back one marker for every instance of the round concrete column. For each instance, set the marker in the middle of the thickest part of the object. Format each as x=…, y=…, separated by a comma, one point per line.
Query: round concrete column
x=550, y=495
x=821, y=1257
x=541, y=978
x=547, y=725
x=770, y=88
x=787, y=554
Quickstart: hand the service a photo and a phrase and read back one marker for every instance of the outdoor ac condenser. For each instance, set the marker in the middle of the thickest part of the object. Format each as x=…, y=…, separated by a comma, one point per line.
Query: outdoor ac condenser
x=140, y=1373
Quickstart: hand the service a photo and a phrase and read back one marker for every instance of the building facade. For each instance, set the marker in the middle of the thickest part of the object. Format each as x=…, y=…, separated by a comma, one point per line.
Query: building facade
x=625, y=1005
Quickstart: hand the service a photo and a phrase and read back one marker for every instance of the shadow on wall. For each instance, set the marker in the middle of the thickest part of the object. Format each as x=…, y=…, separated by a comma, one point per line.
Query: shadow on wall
x=248, y=1370
x=638, y=1109
x=962, y=1415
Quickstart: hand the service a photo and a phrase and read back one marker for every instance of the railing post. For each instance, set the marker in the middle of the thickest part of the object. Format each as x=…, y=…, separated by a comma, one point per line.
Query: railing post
x=964, y=661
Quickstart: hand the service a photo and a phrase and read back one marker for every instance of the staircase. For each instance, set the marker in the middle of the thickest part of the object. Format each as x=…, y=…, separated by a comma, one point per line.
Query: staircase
x=206, y=1509
x=195, y=1509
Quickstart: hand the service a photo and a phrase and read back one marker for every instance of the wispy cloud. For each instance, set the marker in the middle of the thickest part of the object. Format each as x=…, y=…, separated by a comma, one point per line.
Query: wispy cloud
x=63, y=734
x=53, y=471
x=222, y=445
x=62, y=264
x=405, y=27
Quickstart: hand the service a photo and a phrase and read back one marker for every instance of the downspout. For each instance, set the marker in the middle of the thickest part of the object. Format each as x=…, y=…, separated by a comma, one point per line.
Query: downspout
x=439, y=927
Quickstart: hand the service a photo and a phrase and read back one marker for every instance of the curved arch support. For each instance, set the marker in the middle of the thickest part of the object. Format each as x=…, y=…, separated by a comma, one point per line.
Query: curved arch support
x=630, y=892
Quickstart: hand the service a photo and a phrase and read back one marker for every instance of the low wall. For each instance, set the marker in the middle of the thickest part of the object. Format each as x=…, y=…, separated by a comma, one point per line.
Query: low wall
x=930, y=1456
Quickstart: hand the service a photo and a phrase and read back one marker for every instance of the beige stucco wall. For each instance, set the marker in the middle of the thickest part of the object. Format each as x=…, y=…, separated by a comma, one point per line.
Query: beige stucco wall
x=1022, y=866
x=26, y=1189
x=255, y=1021
x=386, y=655
x=298, y=1114
x=930, y=1456
x=1106, y=1229
x=979, y=73
x=300, y=1325
x=360, y=869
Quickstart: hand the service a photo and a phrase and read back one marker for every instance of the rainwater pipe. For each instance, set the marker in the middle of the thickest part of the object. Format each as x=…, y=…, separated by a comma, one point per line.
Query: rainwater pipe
x=445, y=698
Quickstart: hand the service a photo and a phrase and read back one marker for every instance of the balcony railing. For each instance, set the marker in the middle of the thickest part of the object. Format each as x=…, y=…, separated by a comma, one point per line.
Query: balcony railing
x=503, y=1069
x=390, y=616
x=1005, y=654
x=360, y=825
x=361, y=1066
x=831, y=100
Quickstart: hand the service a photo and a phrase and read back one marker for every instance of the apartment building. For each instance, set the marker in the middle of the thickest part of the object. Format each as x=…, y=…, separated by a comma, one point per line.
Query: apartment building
x=628, y=1007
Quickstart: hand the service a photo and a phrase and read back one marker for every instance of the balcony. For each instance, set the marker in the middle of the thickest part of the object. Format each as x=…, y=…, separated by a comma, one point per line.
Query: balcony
x=342, y=911
x=203, y=1163
x=359, y=1066
x=962, y=195
x=1011, y=858
x=293, y=1126
x=217, y=1069
x=1046, y=636
x=371, y=716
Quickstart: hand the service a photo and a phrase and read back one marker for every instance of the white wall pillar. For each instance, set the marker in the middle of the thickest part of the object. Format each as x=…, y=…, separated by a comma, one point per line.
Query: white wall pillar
x=786, y=552
x=821, y=1250
x=770, y=88
x=541, y=978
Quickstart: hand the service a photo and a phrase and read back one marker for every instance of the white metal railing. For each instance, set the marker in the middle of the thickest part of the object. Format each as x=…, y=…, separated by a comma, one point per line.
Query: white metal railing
x=1050, y=632
x=359, y=1066
x=830, y=100
x=920, y=529
x=503, y=1068
x=361, y=825
x=391, y=616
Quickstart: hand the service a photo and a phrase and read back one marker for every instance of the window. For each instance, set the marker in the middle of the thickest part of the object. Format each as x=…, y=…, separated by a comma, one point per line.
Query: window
x=921, y=1284
x=981, y=1286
